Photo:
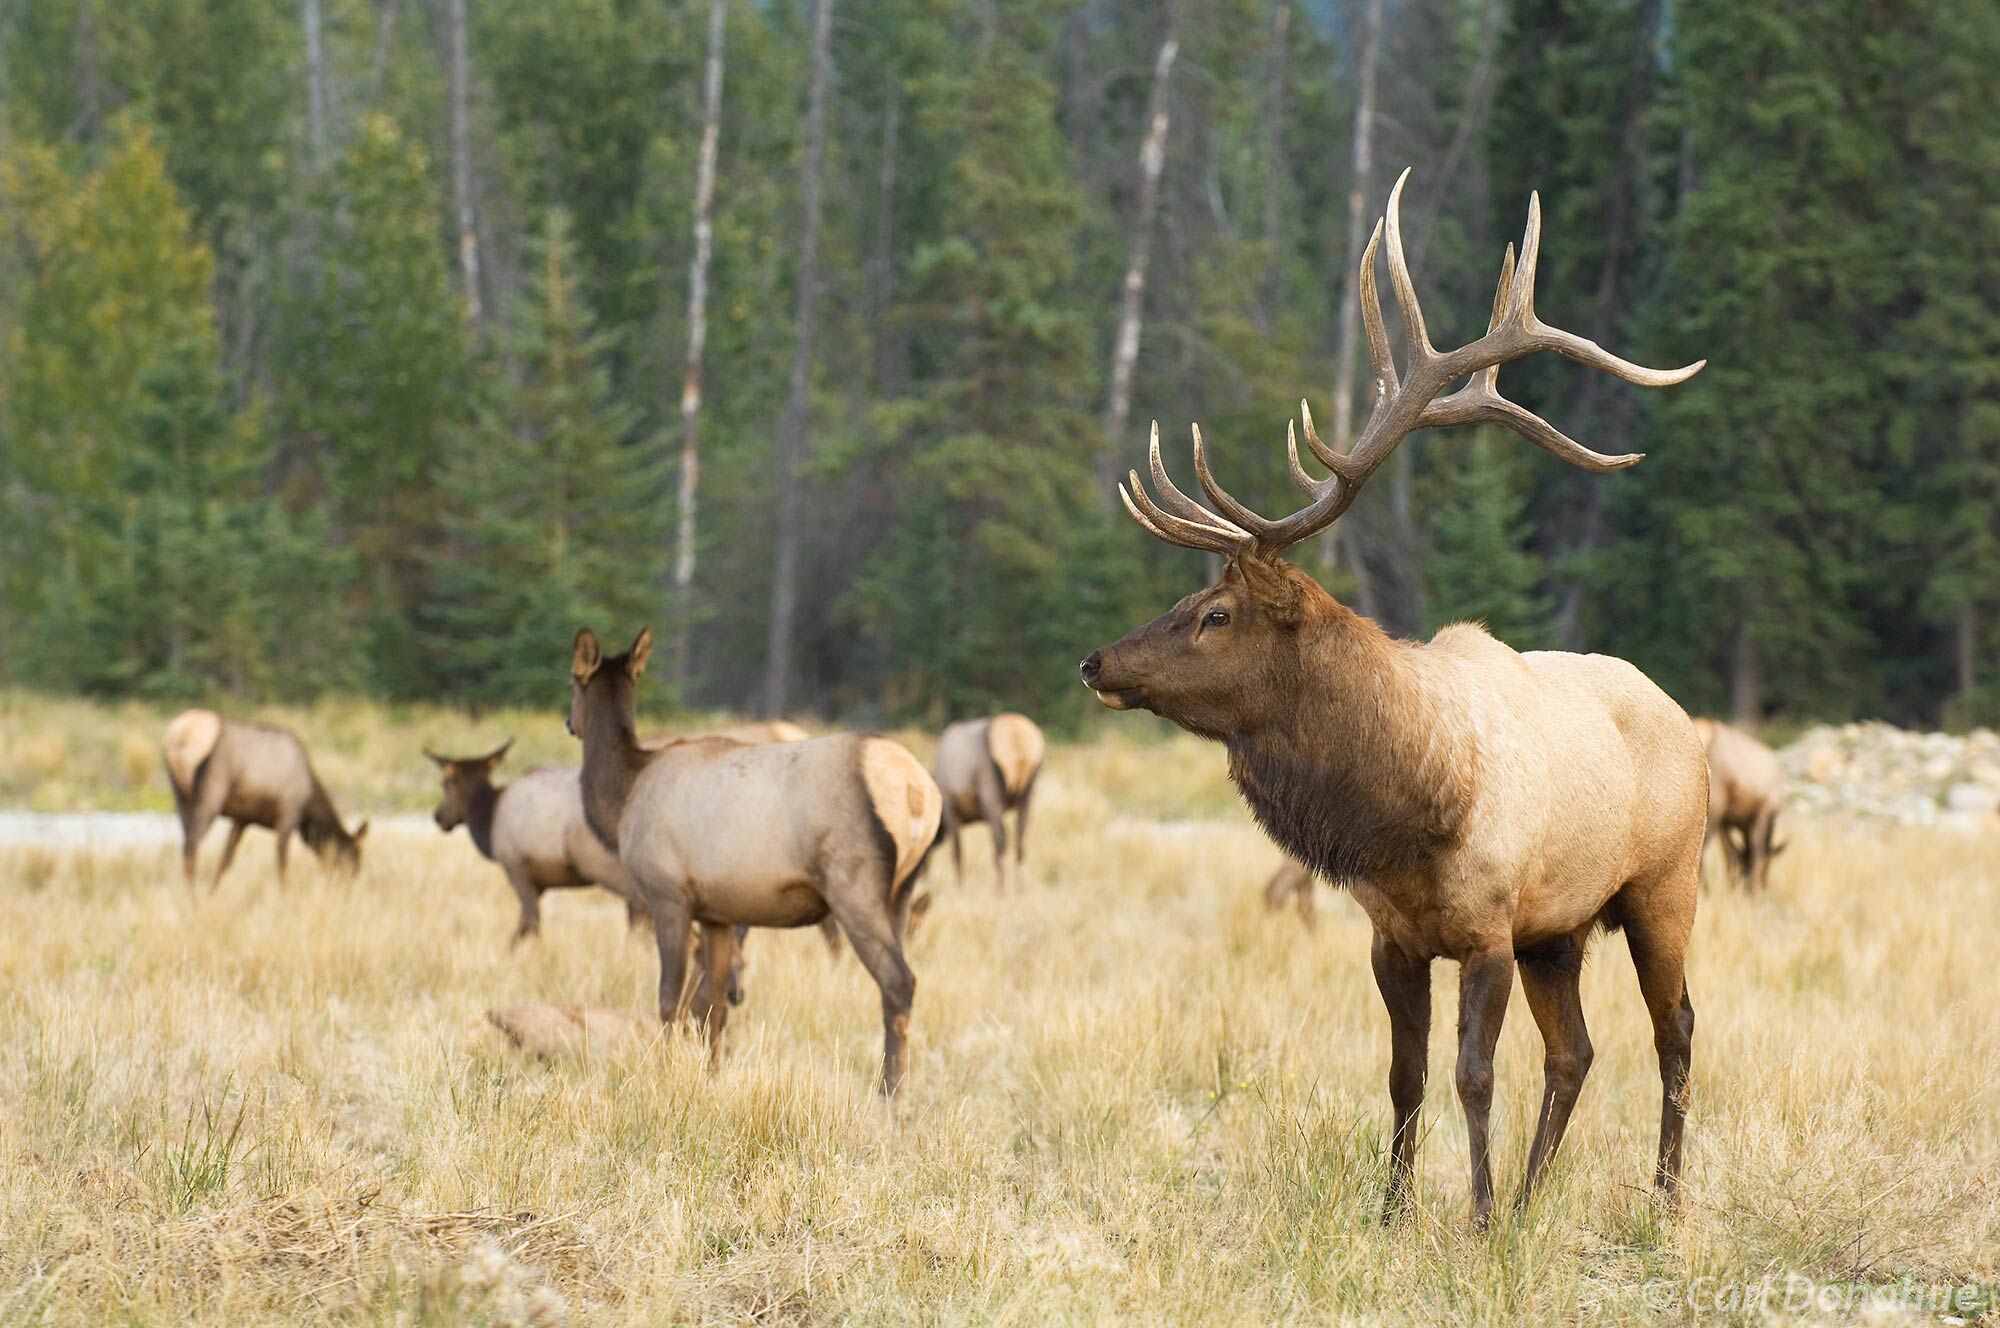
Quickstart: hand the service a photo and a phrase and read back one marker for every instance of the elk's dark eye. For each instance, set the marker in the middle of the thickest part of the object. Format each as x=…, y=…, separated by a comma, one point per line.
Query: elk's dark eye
x=1215, y=618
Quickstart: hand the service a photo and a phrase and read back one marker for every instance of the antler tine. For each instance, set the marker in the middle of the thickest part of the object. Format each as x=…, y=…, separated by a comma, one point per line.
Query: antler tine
x=1399, y=277
x=1329, y=458
x=1172, y=529
x=1299, y=475
x=1480, y=402
x=1244, y=518
x=1371, y=319
x=1531, y=254
x=1170, y=494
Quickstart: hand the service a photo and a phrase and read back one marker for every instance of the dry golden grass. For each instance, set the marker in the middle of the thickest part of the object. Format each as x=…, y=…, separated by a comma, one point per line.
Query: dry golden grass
x=1135, y=1097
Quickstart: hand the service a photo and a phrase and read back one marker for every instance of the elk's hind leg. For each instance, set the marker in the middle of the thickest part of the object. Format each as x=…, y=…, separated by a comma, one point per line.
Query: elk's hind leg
x=993, y=810
x=1659, y=917
x=1550, y=979
x=859, y=897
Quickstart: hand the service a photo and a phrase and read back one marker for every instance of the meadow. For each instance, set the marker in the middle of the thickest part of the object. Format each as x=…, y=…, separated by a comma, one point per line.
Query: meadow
x=1135, y=1096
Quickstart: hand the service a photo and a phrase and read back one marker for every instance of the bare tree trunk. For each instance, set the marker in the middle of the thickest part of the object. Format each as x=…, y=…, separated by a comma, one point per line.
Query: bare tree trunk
x=385, y=37
x=881, y=268
x=1746, y=674
x=697, y=336
x=1619, y=226
x=1475, y=106
x=90, y=91
x=461, y=165
x=315, y=85
x=1360, y=178
x=1131, y=310
x=1968, y=648
x=794, y=441
x=1274, y=166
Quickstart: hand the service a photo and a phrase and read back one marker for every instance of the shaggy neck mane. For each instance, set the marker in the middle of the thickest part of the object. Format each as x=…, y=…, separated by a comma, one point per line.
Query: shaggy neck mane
x=1367, y=773
x=319, y=824
x=479, y=805
x=612, y=760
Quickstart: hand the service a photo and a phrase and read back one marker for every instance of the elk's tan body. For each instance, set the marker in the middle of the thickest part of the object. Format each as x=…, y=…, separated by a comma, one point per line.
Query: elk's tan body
x=1746, y=790
x=1484, y=806
x=254, y=774
x=986, y=768
x=721, y=835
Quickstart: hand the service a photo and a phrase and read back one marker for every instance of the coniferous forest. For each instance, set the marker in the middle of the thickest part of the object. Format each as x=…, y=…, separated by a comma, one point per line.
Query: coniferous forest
x=374, y=345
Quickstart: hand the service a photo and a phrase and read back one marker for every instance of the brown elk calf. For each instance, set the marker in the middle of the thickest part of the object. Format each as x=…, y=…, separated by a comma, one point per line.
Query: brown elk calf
x=533, y=828
x=253, y=774
x=1746, y=790
x=1483, y=806
x=724, y=835
x=986, y=768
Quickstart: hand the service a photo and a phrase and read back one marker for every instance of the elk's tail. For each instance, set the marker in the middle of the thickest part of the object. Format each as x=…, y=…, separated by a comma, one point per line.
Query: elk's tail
x=190, y=737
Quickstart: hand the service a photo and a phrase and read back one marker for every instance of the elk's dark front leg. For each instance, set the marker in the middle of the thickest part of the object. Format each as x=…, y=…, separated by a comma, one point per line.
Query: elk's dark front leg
x=1405, y=983
x=993, y=810
x=1485, y=981
x=671, y=926
x=530, y=921
x=1550, y=978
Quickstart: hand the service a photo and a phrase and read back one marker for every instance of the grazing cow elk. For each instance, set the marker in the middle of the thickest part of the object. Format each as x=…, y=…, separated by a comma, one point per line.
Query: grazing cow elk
x=985, y=768
x=1291, y=884
x=1483, y=806
x=534, y=828
x=255, y=775
x=779, y=835
x=1746, y=789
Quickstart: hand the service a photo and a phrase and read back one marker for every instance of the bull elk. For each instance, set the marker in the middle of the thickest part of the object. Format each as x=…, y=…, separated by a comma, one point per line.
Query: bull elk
x=1482, y=805
x=1746, y=789
x=720, y=834
x=986, y=768
x=254, y=774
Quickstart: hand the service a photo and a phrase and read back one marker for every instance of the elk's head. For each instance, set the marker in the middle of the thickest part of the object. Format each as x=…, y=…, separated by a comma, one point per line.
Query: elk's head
x=605, y=686
x=337, y=847
x=1223, y=660
x=464, y=778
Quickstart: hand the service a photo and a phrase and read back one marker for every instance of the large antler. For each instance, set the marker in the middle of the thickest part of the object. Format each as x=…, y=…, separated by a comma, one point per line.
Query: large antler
x=1403, y=403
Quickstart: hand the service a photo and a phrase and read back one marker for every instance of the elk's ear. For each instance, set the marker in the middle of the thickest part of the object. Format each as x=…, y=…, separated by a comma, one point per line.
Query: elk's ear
x=442, y=762
x=498, y=754
x=1271, y=587
x=360, y=832
x=642, y=649
x=585, y=655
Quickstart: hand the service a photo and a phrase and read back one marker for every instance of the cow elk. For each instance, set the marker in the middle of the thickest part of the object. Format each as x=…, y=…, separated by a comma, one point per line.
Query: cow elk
x=723, y=835
x=533, y=828
x=253, y=774
x=1484, y=806
x=986, y=768
x=1746, y=790
x=1291, y=884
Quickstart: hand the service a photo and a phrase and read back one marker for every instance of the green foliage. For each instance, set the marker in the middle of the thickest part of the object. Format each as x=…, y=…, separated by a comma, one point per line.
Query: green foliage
x=1481, y=569
x=551, y=504
x=250, y=443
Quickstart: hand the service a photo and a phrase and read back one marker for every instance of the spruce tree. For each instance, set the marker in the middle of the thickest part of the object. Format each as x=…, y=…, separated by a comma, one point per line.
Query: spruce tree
x=551, y=503
x=1480, y=568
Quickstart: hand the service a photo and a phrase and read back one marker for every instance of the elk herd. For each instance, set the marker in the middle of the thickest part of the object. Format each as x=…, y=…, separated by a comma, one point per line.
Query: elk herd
x=1488, y=807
